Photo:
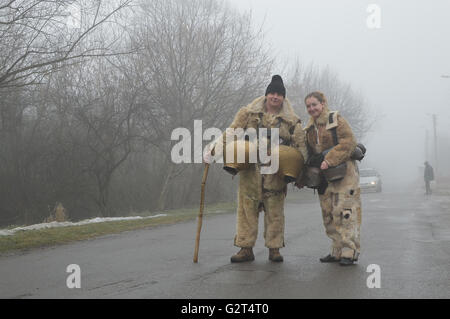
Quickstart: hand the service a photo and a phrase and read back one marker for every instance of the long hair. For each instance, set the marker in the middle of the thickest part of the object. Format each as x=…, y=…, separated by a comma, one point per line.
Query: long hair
x=319, y=96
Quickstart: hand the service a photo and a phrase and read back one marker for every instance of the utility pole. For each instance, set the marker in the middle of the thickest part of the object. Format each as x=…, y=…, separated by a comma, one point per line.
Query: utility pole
x=435, y=146
x=426, y=146
x=444, y=76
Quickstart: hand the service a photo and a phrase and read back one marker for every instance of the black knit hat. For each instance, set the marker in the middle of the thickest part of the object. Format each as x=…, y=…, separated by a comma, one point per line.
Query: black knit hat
x=276, y=86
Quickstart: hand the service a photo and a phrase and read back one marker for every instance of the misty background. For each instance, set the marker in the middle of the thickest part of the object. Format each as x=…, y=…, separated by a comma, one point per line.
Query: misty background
x=397, y=69
x=90, y=92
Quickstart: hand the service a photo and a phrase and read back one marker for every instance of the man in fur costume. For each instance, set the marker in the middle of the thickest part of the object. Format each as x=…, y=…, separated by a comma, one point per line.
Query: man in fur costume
x=259, y=192
x=340, y=200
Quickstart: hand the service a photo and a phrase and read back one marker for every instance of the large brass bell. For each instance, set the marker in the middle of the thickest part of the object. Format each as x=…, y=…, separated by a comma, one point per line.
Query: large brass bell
x=291, y=163
x=234, y=165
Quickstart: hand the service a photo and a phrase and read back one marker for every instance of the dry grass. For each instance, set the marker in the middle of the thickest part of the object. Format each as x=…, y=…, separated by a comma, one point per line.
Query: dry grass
x=59, y=214
x=25, y=240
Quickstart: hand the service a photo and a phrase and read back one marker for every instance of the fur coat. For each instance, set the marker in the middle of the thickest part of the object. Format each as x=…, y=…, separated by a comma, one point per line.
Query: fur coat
x=319, y=137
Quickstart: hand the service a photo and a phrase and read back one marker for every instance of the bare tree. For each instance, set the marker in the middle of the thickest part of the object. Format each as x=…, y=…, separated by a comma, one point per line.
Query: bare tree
x=36, y=38
x=101, y=107
x=88, y=100
x=199, y=59
x=303, y=80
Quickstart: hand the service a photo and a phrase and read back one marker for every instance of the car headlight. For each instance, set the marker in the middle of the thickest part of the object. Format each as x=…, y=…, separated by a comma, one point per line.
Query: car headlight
x=373, y=183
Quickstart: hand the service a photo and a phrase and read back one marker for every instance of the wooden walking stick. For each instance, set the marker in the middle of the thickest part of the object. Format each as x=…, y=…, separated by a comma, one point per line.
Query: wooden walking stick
x=200, y=213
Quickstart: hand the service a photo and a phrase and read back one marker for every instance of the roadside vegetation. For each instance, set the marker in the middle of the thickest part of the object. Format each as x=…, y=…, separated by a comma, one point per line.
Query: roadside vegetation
x=25, y=240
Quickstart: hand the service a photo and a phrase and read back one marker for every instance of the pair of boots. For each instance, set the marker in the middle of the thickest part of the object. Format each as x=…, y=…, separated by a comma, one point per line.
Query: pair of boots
x=246, y=254
x=343, y=261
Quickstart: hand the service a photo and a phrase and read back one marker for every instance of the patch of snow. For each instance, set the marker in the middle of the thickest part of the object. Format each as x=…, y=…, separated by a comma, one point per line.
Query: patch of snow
x=7, y=232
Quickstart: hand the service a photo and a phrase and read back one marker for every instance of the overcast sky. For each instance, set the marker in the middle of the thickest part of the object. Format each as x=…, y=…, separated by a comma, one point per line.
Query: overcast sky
x=397, y=68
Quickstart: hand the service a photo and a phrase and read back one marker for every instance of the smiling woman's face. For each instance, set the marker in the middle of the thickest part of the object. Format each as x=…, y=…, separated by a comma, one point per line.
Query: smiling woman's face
x=314, y=107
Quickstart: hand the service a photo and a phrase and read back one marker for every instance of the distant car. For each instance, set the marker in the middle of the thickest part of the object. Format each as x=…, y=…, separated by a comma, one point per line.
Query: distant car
x=370, y=180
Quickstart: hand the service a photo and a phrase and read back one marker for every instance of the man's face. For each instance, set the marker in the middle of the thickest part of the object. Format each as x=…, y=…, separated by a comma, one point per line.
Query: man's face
x=275, y=100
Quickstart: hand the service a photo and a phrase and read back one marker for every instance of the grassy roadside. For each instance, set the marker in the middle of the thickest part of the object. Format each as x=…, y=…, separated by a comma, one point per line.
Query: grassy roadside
x=25, y=240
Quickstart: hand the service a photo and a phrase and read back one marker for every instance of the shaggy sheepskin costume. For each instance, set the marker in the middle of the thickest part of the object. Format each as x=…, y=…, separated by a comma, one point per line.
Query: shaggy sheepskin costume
x=258, y=192
x=340, y=201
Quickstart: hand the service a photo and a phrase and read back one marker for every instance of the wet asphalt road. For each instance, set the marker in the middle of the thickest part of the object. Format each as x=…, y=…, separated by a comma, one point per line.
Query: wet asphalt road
x=406, y=234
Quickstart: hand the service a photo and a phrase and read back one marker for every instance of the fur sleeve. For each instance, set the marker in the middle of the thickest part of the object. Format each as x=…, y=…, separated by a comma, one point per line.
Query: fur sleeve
x=299, y=140
x=346, y=144
x=240, y=121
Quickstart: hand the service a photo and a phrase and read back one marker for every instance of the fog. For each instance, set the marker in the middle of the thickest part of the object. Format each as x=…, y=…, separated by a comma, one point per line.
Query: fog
x=90, y=101
x=111, y=118
x=398, y=69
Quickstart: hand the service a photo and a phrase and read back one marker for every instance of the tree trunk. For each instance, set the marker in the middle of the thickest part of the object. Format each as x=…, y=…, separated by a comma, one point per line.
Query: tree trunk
x=103, y=184
x=165, y=188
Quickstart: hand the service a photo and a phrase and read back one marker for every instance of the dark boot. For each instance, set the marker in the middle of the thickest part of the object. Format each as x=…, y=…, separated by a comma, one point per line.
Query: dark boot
x=329, y=259
x=274, y=255
x=245, y=254
x=346, y=261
